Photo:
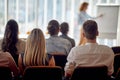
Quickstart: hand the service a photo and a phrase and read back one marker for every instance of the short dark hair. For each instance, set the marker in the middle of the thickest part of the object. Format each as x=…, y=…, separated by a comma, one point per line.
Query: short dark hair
x=90, y=29
x=64, y=28
x=53, y=27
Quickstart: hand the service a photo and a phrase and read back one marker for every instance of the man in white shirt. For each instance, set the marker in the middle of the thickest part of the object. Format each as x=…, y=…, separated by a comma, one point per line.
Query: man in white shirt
x=90, y=54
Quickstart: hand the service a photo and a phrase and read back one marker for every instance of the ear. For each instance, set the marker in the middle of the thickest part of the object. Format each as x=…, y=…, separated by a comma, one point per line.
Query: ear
x=83, y=34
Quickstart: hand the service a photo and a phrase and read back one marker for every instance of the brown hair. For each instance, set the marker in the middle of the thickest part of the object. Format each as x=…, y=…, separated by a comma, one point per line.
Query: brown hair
x=64, y=28
x=83, y=5
x=53, y=27
x=90, y=29
x=10, y=39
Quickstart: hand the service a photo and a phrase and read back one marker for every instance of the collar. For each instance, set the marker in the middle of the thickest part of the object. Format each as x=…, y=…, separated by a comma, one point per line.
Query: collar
x=64, y=35
x=91, y=44
x=54, y=36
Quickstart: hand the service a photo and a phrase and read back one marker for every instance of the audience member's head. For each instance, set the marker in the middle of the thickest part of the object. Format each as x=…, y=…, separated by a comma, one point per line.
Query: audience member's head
x=64, y=28
x=53, y=27
x=35, y=52
x=10, y=38
x=84, y=6
x=90, y=30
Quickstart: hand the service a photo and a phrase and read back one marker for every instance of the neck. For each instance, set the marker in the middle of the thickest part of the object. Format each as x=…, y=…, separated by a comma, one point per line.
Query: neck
x=64, y=34
x=91, y=41
x=84, y=10
x=55, y=35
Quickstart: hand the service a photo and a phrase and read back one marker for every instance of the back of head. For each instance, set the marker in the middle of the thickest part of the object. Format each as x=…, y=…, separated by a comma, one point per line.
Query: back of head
x=90, y=29
x=53, y=27
x=64, y=28
x=83, y=5
x=35, y=52
x=10, y=38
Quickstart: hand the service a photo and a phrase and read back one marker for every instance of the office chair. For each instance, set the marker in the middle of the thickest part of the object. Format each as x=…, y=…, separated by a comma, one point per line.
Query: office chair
x=116, y=49
x=116, y=64
x=5, y=73
x=42, y=73
x=60, y=60
x=90, y=73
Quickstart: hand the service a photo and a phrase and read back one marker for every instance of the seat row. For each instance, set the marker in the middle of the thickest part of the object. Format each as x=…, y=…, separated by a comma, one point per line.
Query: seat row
x=55, y=73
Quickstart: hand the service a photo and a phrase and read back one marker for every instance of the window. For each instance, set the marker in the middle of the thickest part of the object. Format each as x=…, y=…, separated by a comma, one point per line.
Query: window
x=37, y=13
x=21, y=10
x=2, y=16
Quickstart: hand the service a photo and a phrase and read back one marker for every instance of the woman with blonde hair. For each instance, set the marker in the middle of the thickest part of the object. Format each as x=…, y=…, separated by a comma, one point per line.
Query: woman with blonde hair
x=35, y=52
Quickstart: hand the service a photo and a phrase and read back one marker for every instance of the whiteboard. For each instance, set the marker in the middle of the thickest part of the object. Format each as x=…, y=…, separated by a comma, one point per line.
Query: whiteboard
x=109, y=22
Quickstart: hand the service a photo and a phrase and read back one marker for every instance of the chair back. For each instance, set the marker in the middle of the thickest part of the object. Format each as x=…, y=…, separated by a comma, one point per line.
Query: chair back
x=90, y=73
x=116, y=64
x=60, y=60
x=116, y=49
x=42, y=73
x=5, y=73
x=117, y=76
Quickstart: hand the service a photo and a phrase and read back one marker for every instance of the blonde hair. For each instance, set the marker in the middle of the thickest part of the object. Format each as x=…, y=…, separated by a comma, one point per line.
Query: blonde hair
x=35, y=52
x=83, y=5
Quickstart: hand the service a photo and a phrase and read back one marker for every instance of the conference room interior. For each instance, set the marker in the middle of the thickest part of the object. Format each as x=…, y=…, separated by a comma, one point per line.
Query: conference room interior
x=31, y=14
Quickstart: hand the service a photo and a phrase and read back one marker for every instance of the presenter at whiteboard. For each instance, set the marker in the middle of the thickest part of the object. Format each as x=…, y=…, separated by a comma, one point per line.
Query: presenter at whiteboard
x=84, y=16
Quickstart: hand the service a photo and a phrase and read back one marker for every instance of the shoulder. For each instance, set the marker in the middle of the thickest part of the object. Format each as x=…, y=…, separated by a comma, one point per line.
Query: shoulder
x=71, y=39
x=105, y=48
x=76, y=49
x=47, y=39
x=6, y=55
x=58, y=40
x=64, y=40
x=21, y=41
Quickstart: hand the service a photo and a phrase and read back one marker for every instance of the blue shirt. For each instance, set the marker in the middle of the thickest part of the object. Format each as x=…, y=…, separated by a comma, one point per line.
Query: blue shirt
x=58, y=44
x=69, y=39
x=83, y=16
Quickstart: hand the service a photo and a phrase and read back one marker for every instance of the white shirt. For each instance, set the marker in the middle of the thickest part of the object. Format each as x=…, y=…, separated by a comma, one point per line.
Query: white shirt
x=90, y=54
